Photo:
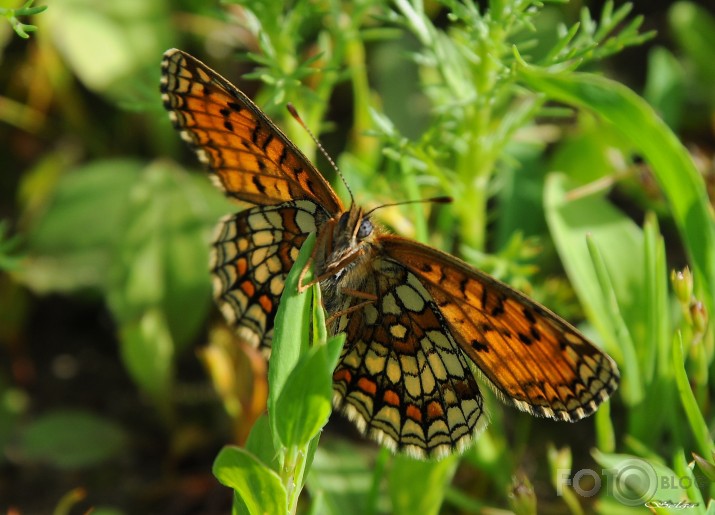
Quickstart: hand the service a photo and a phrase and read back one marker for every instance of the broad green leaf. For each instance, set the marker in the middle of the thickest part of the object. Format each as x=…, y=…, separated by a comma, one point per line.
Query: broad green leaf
x=159, y=287
x=633, y=481
x=260, y=443
x=162, y=257
x=344, y=476
x=637, y=122
x=304, y=404
x=259, y=488
x=71, y=439
x=107, y=44
x=147, y=351
x=419, y=486
x=72, y=245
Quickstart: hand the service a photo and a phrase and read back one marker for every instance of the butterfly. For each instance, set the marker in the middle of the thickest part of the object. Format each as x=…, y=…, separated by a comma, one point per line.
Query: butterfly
x=419, y=323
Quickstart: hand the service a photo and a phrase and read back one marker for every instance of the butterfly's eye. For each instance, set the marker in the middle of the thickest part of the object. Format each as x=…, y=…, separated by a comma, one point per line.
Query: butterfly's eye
x=365, y=229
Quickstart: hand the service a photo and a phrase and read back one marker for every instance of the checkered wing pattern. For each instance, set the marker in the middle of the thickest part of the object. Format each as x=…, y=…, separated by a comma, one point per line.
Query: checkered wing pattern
x=252, y=254
x=402, y=376
x=248, y=157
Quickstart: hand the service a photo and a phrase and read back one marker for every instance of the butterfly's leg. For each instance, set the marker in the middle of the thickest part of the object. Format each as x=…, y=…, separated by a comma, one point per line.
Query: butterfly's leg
x=311, y=261
x=369, y=299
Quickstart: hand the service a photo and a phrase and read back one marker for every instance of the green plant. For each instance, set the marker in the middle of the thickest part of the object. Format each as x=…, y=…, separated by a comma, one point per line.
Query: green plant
x=22, y=29
x=488, y=104
x=484, y=91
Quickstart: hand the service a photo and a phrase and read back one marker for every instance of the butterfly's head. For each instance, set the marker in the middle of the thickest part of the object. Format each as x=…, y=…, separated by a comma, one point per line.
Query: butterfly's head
x=353, y=228
x=351, y=235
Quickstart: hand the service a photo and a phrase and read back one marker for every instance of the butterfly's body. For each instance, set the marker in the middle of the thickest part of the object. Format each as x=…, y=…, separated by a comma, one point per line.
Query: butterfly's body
x=414, y=317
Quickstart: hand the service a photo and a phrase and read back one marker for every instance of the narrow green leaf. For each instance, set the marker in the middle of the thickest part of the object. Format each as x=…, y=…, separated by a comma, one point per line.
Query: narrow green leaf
x=638, y=123
x=665, y=87
x=259, y=488
x=570, y=221
x=687, y=480
x=291, y=334
x=621, y=332
x=658, y=326
x=698, y=426
x=693, y=26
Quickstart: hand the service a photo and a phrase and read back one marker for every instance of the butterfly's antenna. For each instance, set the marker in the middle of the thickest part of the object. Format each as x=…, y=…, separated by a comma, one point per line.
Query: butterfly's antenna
x=435, y=200
x=298, y=119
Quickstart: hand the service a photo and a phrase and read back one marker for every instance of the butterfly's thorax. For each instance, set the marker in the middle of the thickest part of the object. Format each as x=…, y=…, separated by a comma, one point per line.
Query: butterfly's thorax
x=345, y=248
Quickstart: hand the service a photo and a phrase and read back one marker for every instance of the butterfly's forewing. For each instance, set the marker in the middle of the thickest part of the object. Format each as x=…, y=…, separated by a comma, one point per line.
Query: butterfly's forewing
x=532, y=358
x=252, y=161
x=247, y=155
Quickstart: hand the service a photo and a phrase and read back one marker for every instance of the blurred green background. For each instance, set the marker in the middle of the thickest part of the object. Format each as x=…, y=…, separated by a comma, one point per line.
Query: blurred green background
x=119, y=383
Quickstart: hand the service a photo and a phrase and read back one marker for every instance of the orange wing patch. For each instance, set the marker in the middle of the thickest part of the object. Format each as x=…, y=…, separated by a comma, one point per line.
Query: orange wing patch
x=530, y=356
x=249, y=157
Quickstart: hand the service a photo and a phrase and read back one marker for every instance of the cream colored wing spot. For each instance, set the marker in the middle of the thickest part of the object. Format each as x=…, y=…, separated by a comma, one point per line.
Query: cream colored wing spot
x=389, y=305
x=397, y=330
x=410, y=298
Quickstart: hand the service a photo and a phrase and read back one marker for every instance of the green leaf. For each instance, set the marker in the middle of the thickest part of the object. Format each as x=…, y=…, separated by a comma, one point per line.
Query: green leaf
x=161, y=260
x=343, y=475
x=698, y=426
x=162, y=256
x=72, y=245
x=106, y=44
x=71, y=439
x=617, y=309
x=694, y=28
x=147, y=351
x=631, y=117
x=260, y=443
x=259, y=488
x=633, y=481
x=419, y=486
x=665, y=86
x=290, y=338
x=304, y=404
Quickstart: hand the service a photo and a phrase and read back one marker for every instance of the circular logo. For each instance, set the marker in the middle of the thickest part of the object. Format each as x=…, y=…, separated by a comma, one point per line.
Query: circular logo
x=634, y=482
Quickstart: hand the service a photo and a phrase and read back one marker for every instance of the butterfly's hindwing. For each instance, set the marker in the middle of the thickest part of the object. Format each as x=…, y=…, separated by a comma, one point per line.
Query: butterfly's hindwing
x=253, y=252
x=402, y=377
